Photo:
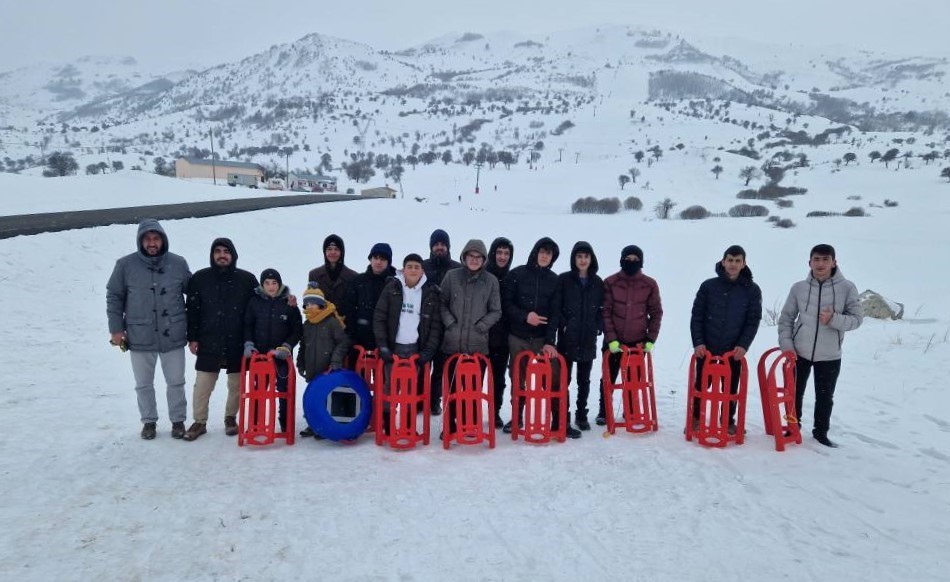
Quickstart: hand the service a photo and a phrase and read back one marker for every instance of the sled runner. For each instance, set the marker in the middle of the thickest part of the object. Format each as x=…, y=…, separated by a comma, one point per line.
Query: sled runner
x=396, y=414
x=635, y=383
x=712, y=425
x=543, y=398
x=777, y=388
x=260, y=400
x=469, y=401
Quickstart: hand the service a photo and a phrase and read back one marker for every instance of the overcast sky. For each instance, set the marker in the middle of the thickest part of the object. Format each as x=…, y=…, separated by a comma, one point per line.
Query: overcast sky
x=170, y=34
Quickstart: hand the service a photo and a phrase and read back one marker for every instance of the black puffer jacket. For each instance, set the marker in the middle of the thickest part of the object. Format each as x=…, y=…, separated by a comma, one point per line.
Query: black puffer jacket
x=530, y=288
x=436, y=267
x=498, y=334
x=362, y=294
x=270, y=322
x=333, y=281
x=726, y=313
x=386, y=318
x=217, y=299
x=582, y=309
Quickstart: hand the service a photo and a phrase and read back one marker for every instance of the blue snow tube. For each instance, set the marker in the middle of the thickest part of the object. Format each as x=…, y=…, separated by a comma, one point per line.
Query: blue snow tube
x=338, y=405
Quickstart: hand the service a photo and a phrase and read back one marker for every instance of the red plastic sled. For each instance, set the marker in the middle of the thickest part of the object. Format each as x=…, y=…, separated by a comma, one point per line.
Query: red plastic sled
x=403, y=403
x=474, y=401
x=541, y=393
x=257, y=414
x=778, y=397
x=370, y=368
x=714, y=399
x=635, y=383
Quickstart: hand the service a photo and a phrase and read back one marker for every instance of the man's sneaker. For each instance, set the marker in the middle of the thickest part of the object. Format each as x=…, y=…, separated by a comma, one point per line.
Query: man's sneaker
x=601, y=420
x=435, y=409
x=573, y=433
x=178, y=430
x=230, y=426
x=507, y=428
x=307, y=432
x=195, y=430
x=148, y=431
x=822, y=438
x=499, y=423
x=582, y=423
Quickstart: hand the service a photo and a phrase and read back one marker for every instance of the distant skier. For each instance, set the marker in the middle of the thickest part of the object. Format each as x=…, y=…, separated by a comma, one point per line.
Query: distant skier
x=817, y=313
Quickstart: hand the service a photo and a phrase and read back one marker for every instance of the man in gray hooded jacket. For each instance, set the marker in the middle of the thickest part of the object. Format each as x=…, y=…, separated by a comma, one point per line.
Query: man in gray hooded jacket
x=816, y=314
x=146, y=308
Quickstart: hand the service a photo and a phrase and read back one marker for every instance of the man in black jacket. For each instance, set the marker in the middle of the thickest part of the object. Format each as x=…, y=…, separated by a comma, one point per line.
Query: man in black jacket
x=334, y=275
x=436, y=266
x=532, y=304
x=580, y=322
x=726, y=315
x=500, y=255
x=217, y=298
x=362, y=294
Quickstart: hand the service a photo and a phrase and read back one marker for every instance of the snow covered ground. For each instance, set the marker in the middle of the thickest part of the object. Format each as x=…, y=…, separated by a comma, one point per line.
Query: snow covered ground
x=85, y=498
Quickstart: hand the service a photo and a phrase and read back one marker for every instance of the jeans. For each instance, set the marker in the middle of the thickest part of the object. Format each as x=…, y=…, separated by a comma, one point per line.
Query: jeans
x=826, y=377
x=173, y=368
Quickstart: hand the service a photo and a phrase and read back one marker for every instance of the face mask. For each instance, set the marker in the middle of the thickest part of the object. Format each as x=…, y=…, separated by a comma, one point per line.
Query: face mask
x=630, y=267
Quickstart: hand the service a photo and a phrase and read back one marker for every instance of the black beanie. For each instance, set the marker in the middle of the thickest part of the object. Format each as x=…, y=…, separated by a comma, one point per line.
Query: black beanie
x=412, y=258
x=439, y=235
x=333, y=239
x=382, y=250
x=632, y=250
x=271, y=274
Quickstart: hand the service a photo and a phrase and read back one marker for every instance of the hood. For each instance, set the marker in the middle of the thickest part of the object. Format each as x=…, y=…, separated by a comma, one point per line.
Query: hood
x=338, y=241
x=223, y=242
x=475, y=245
x=402, y=280
x=745, y=275
x=836, y=276
x=544, y=242
x=492, y=267
x=583, y=246
x=149, y=225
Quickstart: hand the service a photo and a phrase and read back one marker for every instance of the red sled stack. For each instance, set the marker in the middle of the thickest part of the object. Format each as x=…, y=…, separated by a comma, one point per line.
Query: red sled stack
x=257, y=414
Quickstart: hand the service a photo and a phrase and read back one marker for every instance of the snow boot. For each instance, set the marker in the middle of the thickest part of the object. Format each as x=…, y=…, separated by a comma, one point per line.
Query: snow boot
x=178, y=430
x=822, y=437
x=148, y=431
x=581, y=421
x=499, y=423
x=230, y=426
x=195, y=430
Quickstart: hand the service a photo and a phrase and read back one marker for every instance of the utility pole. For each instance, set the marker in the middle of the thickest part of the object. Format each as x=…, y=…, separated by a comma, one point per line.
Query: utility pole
x=577, y=157
x=287, y=173
x=560, y=151
x=478, y=171
x=214, y=171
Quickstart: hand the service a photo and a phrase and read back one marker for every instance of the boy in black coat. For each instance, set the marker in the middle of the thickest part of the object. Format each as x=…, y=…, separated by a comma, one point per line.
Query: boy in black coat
x=726, y=315
x=271, y=324
x=581, y=321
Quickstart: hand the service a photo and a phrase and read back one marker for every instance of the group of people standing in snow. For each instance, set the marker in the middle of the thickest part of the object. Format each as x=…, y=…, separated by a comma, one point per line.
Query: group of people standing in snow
x=437, y=307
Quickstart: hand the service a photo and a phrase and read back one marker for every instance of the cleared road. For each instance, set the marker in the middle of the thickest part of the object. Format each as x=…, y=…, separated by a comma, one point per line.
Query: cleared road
x=25, y=224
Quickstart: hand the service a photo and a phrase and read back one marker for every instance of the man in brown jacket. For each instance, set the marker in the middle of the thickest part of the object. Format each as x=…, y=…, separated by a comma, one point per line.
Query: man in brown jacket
x=334, y=275
x=632, y=313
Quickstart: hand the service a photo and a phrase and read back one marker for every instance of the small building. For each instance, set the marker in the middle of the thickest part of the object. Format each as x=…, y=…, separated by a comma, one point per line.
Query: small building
x=243, y=173
x=312, y=183
x=379, y=192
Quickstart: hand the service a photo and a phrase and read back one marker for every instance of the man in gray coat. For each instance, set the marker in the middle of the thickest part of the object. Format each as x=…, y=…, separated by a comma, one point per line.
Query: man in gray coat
x=145, y=303
x=471, y=304
x=816, y=314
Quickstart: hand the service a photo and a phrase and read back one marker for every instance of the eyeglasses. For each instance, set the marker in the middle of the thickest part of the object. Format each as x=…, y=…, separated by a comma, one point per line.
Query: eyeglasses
x=474, y=257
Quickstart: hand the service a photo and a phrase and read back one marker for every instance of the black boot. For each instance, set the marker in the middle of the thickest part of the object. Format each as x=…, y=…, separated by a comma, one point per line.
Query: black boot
x=581, y=421
x=822, y=437
x=499, y=423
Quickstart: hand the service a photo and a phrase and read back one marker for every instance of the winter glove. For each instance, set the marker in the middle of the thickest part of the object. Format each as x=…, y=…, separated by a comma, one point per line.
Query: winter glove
x=386, y=355
x=614, y=347
x=425, y=357
x=648, y=347
x=249, y=349
x=282, y=352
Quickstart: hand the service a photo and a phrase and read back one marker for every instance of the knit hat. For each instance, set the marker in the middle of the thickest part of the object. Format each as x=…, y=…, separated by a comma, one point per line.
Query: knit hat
x=313, y=296
x=271, y=274
x=412, y=258
x=381, y=250
x=632, y=250
x=439, y=235
x=735, y=251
